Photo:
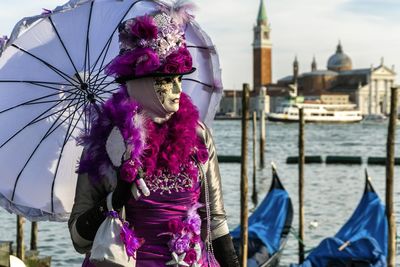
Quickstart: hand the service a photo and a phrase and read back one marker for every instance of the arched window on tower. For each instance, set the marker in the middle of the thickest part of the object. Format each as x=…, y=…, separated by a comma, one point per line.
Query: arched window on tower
x=266, y=35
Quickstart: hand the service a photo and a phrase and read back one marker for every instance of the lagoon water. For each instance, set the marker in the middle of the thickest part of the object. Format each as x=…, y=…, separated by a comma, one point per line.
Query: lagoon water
x=331, y=191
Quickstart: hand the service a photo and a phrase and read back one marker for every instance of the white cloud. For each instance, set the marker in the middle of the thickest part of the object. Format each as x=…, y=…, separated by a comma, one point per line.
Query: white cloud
x=368, y=30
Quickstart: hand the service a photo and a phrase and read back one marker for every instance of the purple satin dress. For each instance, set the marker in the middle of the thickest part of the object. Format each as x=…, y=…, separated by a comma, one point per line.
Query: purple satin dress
x=170, y=198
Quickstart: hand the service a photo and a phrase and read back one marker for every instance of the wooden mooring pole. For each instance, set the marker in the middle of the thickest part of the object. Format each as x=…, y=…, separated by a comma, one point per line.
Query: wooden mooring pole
x=243, y=179
x=391, y=259
x=34, y=235
x=254, y=197
x=262, y=138
x=301, y=185
x=20, y=238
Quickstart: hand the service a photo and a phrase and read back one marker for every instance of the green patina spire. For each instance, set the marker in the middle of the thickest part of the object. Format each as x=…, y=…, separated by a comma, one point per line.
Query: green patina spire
x=262, y=14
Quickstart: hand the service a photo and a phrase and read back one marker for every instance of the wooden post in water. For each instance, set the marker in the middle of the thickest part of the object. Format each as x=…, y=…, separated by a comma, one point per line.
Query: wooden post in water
x=262, y=139
x=391, y=259
x=20, y=238
x=254, y=194
x=34, y=235
x=243, y=179
x=301, y=185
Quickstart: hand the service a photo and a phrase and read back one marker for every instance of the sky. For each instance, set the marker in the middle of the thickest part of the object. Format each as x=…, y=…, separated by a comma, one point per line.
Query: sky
x=368, y=30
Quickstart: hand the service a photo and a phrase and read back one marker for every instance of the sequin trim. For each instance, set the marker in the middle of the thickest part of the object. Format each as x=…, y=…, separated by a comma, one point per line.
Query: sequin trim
x=168, y=183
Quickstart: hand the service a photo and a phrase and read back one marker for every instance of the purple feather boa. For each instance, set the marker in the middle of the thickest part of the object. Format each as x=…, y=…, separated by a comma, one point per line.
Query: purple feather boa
x=171, y=144
x=118, y=111
x=154, y=147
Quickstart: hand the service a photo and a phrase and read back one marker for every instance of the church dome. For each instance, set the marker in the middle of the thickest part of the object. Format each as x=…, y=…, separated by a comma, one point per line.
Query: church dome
x=339, y=61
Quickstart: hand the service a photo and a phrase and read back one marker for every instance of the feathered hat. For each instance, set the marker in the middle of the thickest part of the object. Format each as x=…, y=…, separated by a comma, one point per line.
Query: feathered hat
x=152, y=45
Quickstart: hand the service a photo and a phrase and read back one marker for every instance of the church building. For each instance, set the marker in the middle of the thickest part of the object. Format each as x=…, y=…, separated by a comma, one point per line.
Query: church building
x=367, y=88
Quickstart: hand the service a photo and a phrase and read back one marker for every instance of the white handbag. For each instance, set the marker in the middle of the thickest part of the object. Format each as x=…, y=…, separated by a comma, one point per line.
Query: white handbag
x=108, y=249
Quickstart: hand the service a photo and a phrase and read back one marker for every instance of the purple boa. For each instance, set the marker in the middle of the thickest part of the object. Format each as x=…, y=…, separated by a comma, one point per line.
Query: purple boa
x=118, y=111
x=154, y=147
x=171, y=144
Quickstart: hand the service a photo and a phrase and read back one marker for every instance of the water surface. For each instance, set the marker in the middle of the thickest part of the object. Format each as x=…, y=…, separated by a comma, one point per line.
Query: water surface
x=331, y=191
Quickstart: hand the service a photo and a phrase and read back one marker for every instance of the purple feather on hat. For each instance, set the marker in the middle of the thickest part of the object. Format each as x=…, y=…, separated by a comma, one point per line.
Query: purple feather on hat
x=144, y=28
x=153, y=44
x=138, y=62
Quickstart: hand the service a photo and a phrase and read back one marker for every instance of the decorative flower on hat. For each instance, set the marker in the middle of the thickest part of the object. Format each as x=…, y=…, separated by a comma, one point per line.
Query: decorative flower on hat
x=151, y=45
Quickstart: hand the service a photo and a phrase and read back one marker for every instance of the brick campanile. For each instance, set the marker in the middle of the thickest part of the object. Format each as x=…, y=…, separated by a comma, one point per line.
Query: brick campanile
x=262, y=51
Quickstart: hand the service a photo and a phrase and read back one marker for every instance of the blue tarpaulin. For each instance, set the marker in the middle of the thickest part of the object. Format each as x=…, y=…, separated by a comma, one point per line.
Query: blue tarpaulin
x=268, y=220
x=366, y=231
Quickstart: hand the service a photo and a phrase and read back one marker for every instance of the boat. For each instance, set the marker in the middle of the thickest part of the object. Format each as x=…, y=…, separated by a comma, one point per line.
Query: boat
x=317, y=112
x=361, y=242
x=227, y=116
x=374, y=118
x=269, y=226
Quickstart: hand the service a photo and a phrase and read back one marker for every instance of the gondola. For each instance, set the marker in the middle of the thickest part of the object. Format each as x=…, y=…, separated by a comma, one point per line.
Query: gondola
x=361, y=242
x=269, y=226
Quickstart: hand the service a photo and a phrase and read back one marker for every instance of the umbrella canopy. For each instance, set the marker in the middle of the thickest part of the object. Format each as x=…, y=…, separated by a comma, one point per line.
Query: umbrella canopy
x=51, y=70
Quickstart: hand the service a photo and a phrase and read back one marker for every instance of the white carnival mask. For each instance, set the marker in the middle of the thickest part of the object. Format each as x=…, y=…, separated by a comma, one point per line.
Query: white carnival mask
x=168, y=90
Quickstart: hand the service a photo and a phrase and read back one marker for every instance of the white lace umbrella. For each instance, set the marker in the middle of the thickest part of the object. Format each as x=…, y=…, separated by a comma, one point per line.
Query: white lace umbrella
x=51, y=69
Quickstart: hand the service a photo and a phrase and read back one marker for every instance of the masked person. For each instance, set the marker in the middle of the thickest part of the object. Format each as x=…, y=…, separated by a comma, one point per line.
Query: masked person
x=177, y=210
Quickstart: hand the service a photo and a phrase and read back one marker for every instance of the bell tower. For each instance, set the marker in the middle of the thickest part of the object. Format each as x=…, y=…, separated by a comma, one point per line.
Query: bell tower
x=262, y=48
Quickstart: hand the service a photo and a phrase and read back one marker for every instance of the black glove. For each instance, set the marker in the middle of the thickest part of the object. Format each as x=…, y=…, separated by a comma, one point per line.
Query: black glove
x=89, y=222
x=224, y=251
x=122, y=193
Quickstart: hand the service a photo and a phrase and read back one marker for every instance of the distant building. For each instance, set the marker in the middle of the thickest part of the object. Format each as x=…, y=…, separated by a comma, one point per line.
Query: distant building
x=231, y=103
x=262, y=71
x=262, y=51
x=368, y=88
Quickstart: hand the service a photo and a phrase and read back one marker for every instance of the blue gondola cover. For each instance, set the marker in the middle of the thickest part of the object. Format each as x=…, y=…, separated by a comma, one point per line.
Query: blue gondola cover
x=268, y=220
x=367, y=232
